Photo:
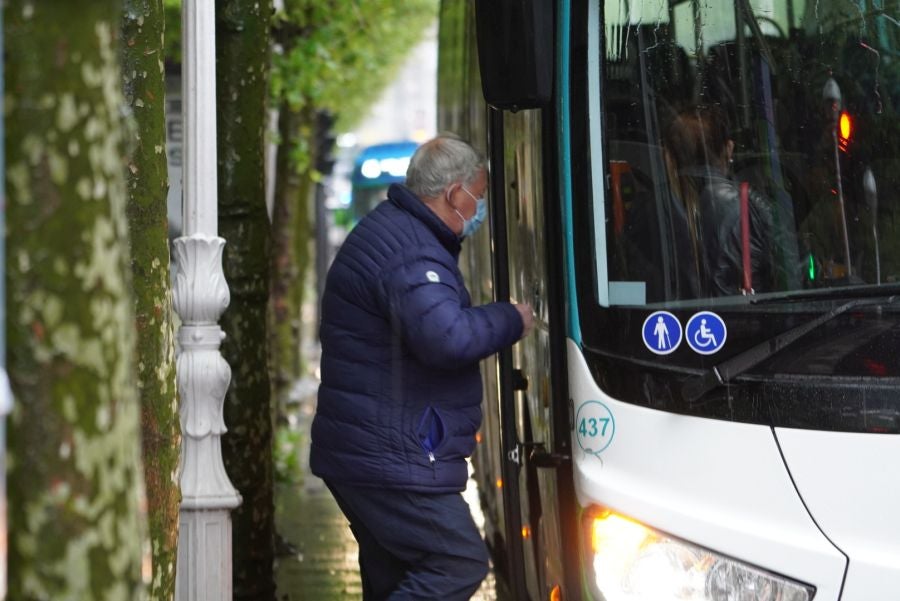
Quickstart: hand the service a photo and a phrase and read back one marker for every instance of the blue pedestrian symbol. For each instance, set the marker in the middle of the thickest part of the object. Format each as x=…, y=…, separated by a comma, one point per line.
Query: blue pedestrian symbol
x=661, y=332
x=706, y=333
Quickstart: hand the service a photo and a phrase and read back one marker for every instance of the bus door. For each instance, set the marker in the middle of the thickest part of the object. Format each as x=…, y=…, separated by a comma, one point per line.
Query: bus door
x=531, y=444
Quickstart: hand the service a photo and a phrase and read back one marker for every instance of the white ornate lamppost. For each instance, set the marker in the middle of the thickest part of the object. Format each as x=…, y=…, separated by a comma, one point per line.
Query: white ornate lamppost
x=201, y=296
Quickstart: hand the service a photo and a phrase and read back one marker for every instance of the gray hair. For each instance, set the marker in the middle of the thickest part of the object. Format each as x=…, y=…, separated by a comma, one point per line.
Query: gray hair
x=442, y=161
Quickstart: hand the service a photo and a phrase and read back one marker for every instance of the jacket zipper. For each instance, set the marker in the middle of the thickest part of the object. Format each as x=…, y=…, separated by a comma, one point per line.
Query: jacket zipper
x=431, y=458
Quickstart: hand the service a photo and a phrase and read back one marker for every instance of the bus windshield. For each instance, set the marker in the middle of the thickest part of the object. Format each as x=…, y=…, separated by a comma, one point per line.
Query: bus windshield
x=750, y=150
x=745, y=221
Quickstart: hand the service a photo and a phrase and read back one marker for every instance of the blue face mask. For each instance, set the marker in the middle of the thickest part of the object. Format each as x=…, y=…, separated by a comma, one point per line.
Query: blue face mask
x=470, y=226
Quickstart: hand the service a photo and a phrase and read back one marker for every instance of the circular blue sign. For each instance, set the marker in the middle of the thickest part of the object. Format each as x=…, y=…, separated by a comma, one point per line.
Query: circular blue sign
x=661, y=332
x=706, y=333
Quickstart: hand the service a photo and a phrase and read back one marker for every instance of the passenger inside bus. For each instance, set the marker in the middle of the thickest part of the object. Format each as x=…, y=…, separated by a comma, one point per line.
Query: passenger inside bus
x=729, y=224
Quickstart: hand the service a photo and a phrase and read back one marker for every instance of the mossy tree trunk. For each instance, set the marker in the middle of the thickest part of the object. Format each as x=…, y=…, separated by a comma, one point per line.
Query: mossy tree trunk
x=281, y=340
x=76, y=487
x=143, y=72
x=292, y=232
x=242, y=61
x=292, y=212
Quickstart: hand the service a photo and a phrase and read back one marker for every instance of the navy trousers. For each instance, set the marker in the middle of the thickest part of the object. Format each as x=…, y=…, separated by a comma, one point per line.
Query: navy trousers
x=413, y=545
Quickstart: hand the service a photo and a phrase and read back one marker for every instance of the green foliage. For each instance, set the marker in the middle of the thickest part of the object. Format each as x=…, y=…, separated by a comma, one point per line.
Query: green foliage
x=172, y=36
x=288, y=445
x=339, y=55
x=336, y=56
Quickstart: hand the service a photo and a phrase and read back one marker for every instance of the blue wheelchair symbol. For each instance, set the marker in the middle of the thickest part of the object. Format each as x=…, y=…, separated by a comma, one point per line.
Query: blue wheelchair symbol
x=706, y=333
x=661, y=332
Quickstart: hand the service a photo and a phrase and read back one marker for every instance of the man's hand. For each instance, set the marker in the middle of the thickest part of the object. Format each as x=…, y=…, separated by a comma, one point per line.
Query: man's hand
x=527, y=314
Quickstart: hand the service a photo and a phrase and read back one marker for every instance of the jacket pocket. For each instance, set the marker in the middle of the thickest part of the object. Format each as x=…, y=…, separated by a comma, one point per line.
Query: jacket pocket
x=431, y=432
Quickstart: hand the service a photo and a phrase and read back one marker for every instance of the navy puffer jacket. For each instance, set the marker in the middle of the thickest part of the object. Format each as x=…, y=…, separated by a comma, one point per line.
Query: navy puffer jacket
x=400, y=399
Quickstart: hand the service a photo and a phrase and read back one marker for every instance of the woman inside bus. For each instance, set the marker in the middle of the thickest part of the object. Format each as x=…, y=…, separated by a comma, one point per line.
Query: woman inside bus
x=729, y=258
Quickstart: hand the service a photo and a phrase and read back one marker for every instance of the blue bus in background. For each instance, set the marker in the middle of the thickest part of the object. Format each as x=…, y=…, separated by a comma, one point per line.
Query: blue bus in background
x=374, y=170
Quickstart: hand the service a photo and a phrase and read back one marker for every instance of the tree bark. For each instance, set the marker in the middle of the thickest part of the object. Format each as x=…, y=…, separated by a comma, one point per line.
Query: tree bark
x=143, y=72
x=76, y=490
x=291, y=231
x=281, y=342
x=242, y=87
x=284, y=312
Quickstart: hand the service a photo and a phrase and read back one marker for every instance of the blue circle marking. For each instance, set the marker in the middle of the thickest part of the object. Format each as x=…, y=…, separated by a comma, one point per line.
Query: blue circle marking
x=595, y=427
x=706, y=333
x=661, y=332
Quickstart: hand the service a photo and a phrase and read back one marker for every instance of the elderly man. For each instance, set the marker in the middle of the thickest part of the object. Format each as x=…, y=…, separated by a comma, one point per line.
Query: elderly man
x=400, y=400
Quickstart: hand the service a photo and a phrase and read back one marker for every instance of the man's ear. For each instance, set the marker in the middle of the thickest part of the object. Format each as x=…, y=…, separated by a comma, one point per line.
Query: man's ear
x=729, y=149
x=448, y=193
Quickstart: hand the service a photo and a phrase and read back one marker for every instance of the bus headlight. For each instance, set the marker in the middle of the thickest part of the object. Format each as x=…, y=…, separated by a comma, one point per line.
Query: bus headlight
x=632, y=562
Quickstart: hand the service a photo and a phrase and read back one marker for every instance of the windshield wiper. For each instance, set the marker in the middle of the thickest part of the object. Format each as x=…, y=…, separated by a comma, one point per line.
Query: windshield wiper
x=856, y=292
x=728, y=370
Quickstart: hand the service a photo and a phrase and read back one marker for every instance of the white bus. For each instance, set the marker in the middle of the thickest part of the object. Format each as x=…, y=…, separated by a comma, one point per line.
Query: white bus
x=701, y=199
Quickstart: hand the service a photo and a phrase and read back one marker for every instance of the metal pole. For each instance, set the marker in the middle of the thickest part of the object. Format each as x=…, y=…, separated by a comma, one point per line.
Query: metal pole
x=200, y=184
x=201, y=296
x=840, y=195
x=831, y=94
x=871, y=193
